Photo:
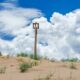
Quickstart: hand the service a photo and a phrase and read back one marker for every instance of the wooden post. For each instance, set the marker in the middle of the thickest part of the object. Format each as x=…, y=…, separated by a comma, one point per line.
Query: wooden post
x=36, y=27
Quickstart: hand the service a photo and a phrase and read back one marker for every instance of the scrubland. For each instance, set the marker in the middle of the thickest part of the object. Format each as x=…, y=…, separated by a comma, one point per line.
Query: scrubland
x=25, y=68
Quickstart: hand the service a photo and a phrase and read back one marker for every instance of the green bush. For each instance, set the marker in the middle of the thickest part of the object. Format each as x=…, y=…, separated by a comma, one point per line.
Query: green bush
x=32, y=56
x=0, y=54
x=34, y=63
x=22, y=54
x=35, y=57
x=70, y=60
x=24, y=67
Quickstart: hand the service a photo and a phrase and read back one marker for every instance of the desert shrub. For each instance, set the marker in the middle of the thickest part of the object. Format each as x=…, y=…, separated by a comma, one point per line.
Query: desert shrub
x=24, y=67
x=2, y=70
x=48, y=77
x=32, y=56
x=34, y=63
x=21, y=59
x=70, y=60
x=22, y=54
x=0, y=54
x=52, y=60
x=74, y=59
x=8, y=56
x=73, y=66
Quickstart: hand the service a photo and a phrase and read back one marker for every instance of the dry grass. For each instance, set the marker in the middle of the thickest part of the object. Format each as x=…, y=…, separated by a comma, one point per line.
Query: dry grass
x=48, y=77
x=2, y=70
x=73, y=66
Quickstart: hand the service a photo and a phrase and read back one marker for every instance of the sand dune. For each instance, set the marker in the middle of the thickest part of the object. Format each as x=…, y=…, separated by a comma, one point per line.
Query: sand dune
x=45, y=68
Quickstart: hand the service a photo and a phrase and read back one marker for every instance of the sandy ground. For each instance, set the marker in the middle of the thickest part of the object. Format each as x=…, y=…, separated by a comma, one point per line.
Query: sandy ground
x=58, y=70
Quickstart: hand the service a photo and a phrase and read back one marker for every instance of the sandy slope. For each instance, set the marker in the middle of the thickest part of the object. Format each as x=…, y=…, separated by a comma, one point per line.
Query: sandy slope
x=59, y=70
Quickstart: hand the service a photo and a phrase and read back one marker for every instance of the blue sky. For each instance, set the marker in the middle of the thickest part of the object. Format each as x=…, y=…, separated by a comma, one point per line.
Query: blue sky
x=50, y=6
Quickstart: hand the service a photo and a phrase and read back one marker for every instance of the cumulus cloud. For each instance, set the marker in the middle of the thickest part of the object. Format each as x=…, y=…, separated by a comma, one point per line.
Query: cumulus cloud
x=14, y=21
x=58, y=38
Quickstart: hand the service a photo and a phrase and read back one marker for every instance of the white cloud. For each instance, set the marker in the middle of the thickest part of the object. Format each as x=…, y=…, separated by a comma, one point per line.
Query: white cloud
x=14, y=21
x=17, y=18
x=61, y=35
x=59, y=38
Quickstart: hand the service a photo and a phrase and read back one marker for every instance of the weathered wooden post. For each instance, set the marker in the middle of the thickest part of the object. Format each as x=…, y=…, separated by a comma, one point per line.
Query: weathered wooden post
x=35, y=27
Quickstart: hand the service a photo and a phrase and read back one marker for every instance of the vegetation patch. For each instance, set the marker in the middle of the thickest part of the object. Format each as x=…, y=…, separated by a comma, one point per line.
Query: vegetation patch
x=70, y=60
x=32, y=56
x=72, y=66
x=22, y=54
x=24, y=67
x=2, y=70
x=48, y=77
x=0, y=54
